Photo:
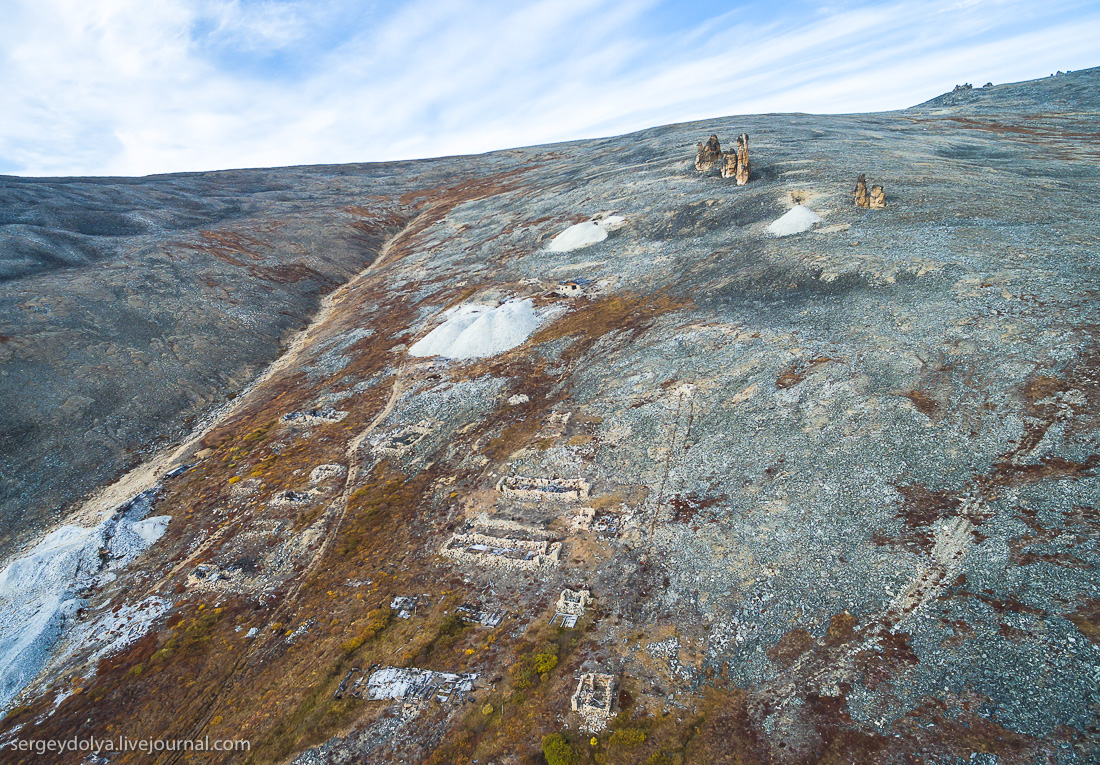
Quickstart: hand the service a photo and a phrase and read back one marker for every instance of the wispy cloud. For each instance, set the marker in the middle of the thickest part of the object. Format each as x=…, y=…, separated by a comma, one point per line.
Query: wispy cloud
x=132, y=87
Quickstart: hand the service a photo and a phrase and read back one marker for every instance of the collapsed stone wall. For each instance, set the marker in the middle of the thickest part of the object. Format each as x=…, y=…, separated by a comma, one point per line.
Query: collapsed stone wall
x=458, y=549
x=539, y=489
x=592, y=700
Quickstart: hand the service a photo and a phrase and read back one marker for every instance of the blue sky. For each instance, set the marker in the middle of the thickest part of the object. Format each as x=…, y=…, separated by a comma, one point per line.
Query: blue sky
x=131, y=87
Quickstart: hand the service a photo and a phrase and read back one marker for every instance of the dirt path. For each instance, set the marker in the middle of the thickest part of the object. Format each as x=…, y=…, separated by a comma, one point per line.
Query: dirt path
x=354, y=469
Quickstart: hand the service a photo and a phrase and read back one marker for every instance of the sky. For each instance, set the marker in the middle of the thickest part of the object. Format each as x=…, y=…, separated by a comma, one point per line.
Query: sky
x=134, y=87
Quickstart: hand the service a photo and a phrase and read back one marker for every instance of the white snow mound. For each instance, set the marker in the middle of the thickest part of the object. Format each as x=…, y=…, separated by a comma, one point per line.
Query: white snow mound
x=585, y=234
x=796, y=220
x=476, y=331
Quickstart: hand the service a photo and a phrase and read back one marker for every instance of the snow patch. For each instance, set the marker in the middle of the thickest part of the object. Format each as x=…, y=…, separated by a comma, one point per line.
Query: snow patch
x=585, y=234
x=475, y=331
x=42, y=590
x=796, y=220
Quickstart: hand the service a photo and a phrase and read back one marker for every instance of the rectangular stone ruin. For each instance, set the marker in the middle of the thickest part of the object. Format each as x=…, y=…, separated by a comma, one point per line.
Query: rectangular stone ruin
x=568, y=289
x=209, y=577
x=404, y=606
x=314, y=417
x=486, y=550
x=570, y=608
x=506, y=527
x=593, y=698
x=582, y=521
x=554, y=425
x=404, y=439
x=540, y=489
x=407, y=684
x=480, y=616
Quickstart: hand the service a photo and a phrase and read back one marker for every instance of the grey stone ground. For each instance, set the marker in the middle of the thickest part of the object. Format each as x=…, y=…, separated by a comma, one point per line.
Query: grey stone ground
x=892, y=416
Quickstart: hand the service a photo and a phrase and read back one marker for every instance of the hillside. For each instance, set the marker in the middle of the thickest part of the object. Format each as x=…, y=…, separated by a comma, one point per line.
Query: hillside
x=832, y=494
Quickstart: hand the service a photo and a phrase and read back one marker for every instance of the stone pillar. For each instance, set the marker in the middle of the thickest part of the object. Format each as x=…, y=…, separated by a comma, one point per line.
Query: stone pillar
x=743, y=168
x=861, y=191
x=729, y=164
x=878, y=198
x=709, y=154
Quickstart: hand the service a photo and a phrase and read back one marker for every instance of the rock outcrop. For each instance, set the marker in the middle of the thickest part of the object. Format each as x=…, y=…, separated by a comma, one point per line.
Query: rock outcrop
x=729, y=164
x=878, y=198
x=743, y=168
x=709, y=155
x=735, y=162
x=860, y=191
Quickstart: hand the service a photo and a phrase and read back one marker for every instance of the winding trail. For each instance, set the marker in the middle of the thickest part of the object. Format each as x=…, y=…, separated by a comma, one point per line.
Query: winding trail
x=355, y=465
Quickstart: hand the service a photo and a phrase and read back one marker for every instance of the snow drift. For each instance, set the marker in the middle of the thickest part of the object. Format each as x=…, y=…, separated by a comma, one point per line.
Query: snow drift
x=585, y=234
x=42, y=590
x=796, y=220
x=476, y=331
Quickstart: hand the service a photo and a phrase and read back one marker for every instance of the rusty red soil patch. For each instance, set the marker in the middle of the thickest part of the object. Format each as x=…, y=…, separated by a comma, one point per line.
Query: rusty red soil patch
x=1006, y=604
x=798, y=371
x=686, y=506
x=920, y=509
x=224, y=244
x=440, y=200
x=1006, y=474
x=1087, y=619
x=937, y=729
x=894, y=655
x=791, y=646
x=924, y=403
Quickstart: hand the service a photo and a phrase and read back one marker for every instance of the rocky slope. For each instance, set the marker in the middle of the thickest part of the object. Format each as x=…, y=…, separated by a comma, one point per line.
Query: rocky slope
x=832, y=494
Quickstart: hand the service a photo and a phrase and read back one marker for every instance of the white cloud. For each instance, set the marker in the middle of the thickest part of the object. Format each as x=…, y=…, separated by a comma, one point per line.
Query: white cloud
x=133, y=87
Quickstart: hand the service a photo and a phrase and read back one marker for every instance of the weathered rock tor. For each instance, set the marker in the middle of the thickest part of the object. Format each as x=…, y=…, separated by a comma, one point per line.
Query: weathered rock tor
x=877, y=199
x=744, y=169
x=830, y=496
x=860, y=192
x=708, y=154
